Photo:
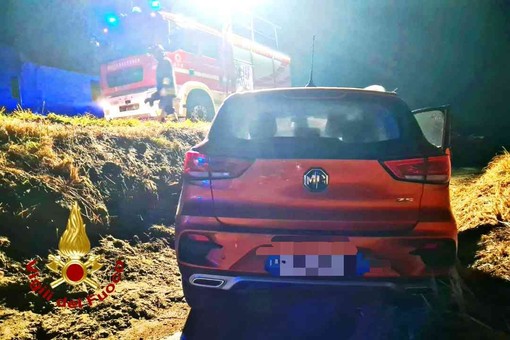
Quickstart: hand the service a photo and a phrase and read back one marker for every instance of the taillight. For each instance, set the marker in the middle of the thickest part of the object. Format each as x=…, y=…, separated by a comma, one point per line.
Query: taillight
x=200, y=166
x=196, y=165
x=426, y=170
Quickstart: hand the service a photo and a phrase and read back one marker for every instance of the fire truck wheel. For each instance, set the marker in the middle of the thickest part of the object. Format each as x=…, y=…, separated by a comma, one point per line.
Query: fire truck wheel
x=199, y=106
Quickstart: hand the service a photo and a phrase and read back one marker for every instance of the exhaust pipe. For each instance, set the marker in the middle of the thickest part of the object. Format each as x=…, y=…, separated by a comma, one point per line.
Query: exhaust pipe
x=207, y=282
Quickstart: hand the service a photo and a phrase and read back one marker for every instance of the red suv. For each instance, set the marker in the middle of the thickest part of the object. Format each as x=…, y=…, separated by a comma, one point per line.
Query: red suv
x=316, y=186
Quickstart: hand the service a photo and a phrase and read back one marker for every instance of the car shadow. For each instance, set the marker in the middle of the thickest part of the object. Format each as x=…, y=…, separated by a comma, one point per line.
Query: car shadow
x=469, y=243
x=323, y=316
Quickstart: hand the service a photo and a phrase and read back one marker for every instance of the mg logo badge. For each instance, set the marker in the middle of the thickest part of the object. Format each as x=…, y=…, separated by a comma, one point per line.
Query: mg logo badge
x=316, y=180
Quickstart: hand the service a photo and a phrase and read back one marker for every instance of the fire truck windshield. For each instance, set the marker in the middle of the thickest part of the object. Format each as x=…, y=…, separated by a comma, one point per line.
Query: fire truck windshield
x=124, y=76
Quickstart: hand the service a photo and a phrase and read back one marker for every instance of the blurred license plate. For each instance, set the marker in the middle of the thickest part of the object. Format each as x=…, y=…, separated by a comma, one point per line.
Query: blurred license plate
x=131, y=107
x=308, y=265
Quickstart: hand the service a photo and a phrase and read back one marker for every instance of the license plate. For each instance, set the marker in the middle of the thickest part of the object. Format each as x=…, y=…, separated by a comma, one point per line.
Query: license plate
x=314, y=259
x=317, y=265
x=308, y=265
x=131, y=107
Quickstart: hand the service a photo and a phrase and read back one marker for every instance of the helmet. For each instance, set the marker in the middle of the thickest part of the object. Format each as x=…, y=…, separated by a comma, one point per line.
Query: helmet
x=157, y=51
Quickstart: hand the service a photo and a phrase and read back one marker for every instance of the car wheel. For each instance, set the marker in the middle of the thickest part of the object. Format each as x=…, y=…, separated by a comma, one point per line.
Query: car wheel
x=199, y=106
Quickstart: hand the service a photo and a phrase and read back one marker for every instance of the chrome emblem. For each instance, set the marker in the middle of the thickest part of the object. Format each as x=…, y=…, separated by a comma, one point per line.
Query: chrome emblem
x=316, y=180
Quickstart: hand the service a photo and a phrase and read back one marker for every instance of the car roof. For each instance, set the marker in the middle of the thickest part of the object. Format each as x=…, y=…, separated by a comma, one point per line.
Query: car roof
x=310, y=91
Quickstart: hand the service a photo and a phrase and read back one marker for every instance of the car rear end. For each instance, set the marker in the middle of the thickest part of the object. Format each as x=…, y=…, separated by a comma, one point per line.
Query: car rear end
x=321, y=187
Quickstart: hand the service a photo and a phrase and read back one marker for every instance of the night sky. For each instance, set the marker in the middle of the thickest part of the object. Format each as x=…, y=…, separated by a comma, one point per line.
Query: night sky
x=435, y=51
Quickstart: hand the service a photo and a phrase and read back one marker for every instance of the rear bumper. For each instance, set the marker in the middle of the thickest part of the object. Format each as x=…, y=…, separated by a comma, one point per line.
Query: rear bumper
x=144, y=111
x=228, y=283
x=118, y=106
x=231, y=258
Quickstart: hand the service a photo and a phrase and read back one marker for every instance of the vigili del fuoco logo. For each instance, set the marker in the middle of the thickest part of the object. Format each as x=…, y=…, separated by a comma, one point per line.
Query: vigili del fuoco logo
x=74, y=266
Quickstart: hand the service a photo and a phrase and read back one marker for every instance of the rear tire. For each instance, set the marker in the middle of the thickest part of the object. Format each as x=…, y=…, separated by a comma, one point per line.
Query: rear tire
x=199, y=106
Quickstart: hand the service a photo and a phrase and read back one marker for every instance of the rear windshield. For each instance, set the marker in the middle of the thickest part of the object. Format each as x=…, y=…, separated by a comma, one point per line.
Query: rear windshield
x=125, y=77
x=345, y=125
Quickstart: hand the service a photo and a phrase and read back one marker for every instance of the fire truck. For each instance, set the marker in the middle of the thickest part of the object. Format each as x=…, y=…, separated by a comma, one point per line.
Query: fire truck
x=207, y=64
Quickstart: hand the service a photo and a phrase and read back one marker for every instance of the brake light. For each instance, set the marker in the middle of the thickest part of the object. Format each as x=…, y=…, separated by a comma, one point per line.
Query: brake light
x=200, y=166
x=196, y=165
x=426, y=170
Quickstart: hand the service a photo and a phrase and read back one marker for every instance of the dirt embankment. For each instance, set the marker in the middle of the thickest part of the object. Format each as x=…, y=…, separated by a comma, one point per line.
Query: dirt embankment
x=481, y=205
x=485, y=199
x=125, y=176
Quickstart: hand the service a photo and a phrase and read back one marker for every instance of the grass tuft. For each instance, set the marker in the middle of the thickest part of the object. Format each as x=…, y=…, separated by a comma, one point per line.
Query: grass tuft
x=486, y=199
x=481, y=206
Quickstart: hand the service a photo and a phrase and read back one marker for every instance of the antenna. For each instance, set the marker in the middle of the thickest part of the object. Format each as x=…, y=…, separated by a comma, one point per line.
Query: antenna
x=310, y=82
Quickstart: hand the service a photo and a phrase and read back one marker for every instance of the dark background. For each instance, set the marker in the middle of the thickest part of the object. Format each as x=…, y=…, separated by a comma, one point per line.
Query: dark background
x=435, y=51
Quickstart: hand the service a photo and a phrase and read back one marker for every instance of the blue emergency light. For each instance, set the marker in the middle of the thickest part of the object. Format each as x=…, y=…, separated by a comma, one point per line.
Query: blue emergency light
x=155, y=5
x=112, y=19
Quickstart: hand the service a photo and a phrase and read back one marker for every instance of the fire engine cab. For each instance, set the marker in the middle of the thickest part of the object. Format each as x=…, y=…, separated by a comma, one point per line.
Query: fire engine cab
x=207, y=64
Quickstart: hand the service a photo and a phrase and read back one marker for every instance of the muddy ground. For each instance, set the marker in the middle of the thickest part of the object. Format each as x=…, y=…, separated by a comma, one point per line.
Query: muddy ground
x=147, y=303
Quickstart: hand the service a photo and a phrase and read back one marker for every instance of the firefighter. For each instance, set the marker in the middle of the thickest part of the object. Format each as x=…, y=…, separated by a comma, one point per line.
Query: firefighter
x=164, y=84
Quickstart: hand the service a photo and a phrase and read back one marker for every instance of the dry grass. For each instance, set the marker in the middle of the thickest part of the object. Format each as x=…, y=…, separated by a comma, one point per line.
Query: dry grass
x=494, y=254
x=482, y=207
x=486, y=199
x=122, y=172
x=23, y=124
